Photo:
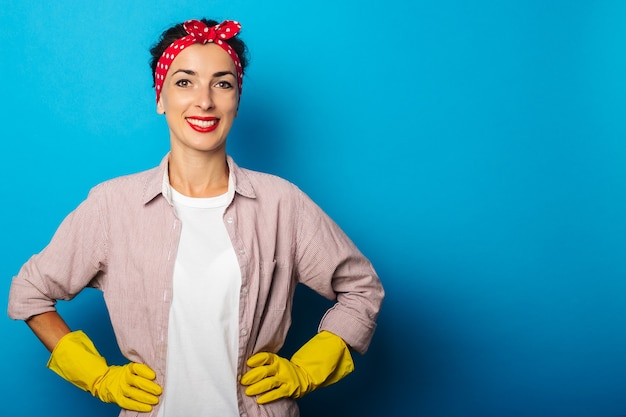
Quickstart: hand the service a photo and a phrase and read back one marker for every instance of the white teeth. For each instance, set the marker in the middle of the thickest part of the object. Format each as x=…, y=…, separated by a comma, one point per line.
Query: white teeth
x=202, y=123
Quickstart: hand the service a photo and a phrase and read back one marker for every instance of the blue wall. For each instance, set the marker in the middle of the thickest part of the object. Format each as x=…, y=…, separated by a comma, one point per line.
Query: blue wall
x=473, y=150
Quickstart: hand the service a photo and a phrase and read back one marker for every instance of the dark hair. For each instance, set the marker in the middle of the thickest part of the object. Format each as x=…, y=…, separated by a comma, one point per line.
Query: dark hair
x=178, y=31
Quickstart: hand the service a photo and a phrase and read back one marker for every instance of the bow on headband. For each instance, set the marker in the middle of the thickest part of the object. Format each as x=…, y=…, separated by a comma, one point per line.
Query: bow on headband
x=198, y=32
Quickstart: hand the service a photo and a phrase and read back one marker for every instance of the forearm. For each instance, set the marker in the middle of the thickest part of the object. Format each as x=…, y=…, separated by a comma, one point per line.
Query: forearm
x=49, y=328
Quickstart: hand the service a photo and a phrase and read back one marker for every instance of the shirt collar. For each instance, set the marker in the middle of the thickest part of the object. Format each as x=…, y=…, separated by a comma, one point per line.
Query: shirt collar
x=158, y=181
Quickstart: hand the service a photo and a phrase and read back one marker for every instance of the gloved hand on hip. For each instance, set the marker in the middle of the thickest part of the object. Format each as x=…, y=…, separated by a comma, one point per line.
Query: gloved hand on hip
x=322, y=361
x=131, y=386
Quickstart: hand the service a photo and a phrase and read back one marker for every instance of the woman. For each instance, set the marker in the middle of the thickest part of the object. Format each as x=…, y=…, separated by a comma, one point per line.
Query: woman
x=198, y=260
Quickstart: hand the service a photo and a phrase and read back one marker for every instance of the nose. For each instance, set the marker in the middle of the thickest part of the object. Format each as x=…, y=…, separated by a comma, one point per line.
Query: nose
x=204, y=99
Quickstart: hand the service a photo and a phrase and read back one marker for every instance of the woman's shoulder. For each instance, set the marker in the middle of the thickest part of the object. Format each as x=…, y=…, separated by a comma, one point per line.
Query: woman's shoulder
x=259, y=177
x=264, y=183
x=136, y=184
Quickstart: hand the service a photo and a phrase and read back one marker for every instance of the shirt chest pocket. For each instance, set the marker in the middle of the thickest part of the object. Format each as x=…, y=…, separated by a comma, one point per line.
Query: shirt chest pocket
x=276, y=286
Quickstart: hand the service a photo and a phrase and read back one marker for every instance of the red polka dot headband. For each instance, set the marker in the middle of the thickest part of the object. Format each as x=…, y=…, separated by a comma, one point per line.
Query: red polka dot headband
x=198, y=32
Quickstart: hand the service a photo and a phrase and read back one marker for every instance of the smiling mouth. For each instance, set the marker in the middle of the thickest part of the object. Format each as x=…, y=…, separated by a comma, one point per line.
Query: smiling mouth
x=202, y=125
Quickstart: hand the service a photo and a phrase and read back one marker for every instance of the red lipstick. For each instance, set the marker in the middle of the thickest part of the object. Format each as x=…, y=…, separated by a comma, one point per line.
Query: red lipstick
x=203, y=124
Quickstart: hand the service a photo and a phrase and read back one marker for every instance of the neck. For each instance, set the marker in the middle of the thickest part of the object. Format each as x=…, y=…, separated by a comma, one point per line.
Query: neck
x=198, y=176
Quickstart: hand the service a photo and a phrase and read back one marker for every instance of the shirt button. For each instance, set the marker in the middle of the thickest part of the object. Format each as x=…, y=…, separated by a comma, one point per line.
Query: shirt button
x=244, y=290
x=244, y=414
x=242, y=251
x=244, y=332
x=229, y=220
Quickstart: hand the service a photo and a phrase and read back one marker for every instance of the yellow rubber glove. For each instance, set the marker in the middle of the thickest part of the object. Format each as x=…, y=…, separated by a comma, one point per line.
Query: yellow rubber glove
x=323, y=360
x=76, y=360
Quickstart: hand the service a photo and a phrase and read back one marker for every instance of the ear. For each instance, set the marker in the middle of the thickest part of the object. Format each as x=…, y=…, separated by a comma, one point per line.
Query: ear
x=159, y=107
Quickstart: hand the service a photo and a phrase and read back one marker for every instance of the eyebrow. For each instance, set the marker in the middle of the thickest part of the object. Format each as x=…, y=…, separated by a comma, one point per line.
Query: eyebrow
x=222, y=73
x=185, y=71
x=194, y=73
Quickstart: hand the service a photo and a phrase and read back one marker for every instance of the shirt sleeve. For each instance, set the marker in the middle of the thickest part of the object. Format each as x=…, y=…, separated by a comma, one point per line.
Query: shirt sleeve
x=330, y=264
x=70, y=262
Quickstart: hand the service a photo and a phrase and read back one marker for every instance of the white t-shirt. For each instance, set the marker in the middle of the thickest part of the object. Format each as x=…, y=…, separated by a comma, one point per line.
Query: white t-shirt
x=203, y=321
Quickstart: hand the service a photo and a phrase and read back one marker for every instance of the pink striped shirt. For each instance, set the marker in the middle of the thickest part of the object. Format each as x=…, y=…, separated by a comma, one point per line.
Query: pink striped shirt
x=123, y=239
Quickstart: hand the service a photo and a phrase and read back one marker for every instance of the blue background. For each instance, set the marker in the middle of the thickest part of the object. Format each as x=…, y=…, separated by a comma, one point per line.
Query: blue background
x=474, y=151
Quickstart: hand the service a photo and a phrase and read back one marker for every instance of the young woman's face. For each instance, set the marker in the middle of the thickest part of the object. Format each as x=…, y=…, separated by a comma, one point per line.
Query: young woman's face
x=199, y=99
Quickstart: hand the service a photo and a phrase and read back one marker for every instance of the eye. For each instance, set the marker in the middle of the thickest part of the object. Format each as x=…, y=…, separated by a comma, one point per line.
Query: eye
x=223, y=84
x=183, y=83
